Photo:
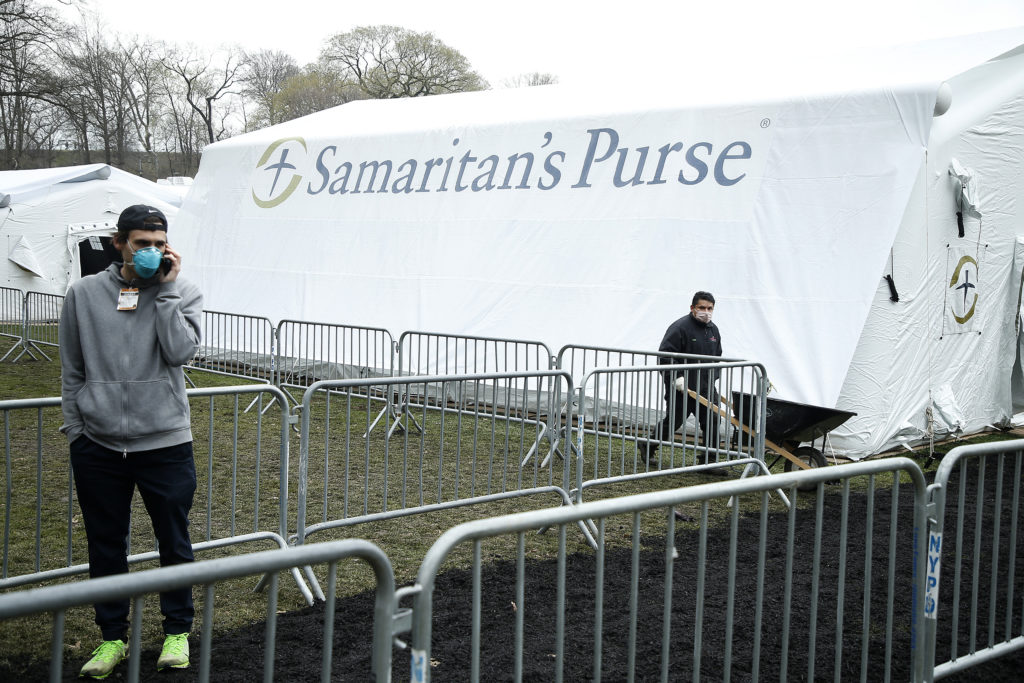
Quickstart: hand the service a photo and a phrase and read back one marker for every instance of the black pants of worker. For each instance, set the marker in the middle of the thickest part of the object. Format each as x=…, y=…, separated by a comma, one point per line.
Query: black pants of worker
x=105, y=481
x=679, y=407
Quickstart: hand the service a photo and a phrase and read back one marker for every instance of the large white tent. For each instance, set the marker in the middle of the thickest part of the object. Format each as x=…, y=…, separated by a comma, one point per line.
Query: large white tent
x=584, y=217
x=48, y=217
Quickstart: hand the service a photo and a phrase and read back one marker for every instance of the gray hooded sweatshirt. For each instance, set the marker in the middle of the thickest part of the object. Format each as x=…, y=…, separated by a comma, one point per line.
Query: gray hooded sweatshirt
x=121, y=377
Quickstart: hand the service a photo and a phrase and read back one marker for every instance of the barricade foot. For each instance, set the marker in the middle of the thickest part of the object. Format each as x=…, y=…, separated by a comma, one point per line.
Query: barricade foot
x=311, y=578
x=302, y=586
x=386, y=410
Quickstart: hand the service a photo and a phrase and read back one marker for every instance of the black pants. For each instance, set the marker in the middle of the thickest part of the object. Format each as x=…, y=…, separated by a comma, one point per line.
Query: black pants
x=105, y=482
x=680, y=406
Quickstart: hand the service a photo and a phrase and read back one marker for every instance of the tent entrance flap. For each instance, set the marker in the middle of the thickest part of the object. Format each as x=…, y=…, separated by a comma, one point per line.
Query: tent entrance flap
x=95, y=253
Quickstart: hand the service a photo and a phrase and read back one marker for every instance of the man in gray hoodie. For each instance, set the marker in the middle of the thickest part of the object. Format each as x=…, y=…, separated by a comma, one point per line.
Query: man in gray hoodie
x=124, y=335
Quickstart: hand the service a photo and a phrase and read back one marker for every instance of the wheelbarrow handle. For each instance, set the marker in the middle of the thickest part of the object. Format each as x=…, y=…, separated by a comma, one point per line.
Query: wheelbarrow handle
x=736, y=423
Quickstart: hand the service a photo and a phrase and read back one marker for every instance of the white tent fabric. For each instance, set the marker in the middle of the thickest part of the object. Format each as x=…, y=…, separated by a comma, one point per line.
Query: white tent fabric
x=916, y=376
x=31, y=182
x=573, y=217
x=1017, y=377
x=967, y=202
x=46, y=213
x=24, y=254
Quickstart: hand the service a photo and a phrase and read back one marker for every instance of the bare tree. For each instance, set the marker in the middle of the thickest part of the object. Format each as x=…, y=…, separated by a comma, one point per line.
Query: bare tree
x=182, y=130
x=146, y=103
x=24, y=23
x=18, y=113
x=263, y=77
x=390, y=61
x=205, y=83
x=120, y=88
x=86, y=89
x=527, y=80
x=98, y=88
x=26, y=77
x=47, y=132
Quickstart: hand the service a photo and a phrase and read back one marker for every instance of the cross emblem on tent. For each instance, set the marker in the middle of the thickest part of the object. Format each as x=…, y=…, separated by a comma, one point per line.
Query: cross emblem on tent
x=279, y=166
x=967, y=285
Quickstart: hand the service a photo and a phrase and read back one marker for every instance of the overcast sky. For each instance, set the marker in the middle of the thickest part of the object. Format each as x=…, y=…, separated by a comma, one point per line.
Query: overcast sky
x=582, y=41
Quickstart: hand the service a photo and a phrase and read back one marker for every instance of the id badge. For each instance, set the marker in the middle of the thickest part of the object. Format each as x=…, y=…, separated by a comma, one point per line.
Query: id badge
x=128, y=299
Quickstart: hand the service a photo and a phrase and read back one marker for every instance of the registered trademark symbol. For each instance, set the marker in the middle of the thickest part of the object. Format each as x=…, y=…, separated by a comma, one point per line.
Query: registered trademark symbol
x=765, y=123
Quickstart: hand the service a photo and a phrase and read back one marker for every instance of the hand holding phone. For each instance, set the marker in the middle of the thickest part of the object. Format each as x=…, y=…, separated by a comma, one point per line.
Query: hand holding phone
x=170, y=266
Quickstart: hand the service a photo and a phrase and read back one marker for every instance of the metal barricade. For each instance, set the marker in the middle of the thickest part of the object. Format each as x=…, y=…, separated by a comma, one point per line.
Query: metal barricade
x=623, y=412
x=309, y=352
x=704, y=599
x=436, y=353
x=56, y=600
x=578, y=359
x=30, y=440
x=234, y=452
x=236, y=345
x=976, y=547
x=42, y=319
x=474, y=433
x=12, y=318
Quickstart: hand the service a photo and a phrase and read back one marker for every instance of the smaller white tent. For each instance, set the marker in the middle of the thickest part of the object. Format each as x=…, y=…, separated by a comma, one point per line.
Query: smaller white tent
x=49, y=218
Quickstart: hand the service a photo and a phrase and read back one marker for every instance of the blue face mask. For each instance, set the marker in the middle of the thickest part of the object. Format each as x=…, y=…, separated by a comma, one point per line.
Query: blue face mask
x=146, y=261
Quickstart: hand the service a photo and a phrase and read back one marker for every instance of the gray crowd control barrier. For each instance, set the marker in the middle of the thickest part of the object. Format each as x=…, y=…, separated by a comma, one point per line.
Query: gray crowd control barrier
x=35, y=325
x=234, y=453
x=12, y=318
x=851, y=616
x=578, y=359
x=42, y=318
x=56, y=600
x=236, y=345
x=976, y=556
x=872, y=600
x=475, y=431
x=623, y=409
x=310, y=352
x=437, y=353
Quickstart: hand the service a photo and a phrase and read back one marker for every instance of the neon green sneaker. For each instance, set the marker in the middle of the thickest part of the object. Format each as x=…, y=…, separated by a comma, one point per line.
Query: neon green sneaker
x=174, y=655
x=104, y=658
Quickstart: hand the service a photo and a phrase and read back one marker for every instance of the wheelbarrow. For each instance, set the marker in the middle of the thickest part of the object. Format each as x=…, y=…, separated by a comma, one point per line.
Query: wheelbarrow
x=788, y=424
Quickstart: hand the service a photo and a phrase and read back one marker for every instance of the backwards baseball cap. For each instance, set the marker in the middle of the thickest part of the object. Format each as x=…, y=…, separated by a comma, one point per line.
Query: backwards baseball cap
x=135, y=218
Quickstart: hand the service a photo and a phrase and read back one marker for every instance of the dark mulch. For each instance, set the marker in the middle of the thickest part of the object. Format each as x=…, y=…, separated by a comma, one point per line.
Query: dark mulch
x=238, y=656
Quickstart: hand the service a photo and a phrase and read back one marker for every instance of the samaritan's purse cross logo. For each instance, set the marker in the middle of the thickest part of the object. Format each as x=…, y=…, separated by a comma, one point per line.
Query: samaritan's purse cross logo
x=962, y=307
x=277, y=174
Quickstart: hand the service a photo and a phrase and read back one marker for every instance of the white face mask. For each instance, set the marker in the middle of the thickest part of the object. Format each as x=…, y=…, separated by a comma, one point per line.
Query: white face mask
x=703, y=316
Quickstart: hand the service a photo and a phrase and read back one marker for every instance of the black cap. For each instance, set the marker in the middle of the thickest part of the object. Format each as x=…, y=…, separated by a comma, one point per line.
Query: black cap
x=134, y=218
